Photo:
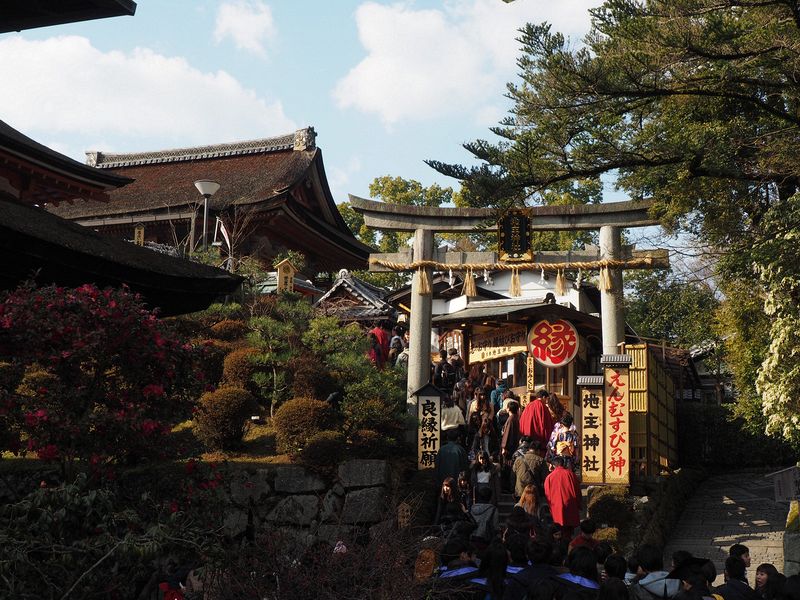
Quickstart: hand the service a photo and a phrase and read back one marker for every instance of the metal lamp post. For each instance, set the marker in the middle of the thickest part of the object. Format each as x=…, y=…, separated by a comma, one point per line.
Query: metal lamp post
x=207, y=188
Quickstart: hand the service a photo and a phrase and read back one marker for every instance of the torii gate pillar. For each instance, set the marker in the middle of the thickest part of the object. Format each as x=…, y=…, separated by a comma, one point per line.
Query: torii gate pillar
x=419, y=332
x=612, y=309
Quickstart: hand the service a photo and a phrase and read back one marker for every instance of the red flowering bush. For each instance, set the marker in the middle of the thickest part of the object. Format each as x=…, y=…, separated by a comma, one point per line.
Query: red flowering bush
x=103, y=380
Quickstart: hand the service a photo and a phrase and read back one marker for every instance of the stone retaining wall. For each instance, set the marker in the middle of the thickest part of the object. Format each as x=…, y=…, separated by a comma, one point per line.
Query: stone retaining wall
x=302, y=504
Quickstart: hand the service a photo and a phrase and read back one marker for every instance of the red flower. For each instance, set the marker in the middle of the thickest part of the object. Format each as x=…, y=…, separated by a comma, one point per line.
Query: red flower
x=191, y=465
x=49, y=452
x=153, y=390
x=173, y=507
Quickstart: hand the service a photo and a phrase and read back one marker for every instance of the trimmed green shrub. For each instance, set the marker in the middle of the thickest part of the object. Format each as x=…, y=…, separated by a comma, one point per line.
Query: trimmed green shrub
x=609, y=507
x=238, y=368
x=323, y=449
x=230, y=330
x=374, y=414
x=298, y=419
x=223, y=417
x=368, y=443
x=310, y=378
x=213, y=353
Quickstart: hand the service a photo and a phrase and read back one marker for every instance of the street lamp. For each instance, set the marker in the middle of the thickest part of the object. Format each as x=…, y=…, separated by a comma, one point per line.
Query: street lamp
x=207, y=188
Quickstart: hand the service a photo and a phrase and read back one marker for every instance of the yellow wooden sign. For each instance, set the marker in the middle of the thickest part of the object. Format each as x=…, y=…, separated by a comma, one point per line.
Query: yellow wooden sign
x=498, y=343
x=138, y=235
x=592, y=444
x=617, y=422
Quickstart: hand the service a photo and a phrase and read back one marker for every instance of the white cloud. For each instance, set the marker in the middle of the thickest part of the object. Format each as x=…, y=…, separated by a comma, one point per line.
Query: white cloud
x=63, y=85
x=425, y=64
x=339, y=177
x=248, y=23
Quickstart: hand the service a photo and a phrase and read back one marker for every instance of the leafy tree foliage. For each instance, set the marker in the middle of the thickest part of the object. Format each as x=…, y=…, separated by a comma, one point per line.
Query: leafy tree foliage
x=693, y=103
x=277, y=327
x=392, y=190
x=665, y=307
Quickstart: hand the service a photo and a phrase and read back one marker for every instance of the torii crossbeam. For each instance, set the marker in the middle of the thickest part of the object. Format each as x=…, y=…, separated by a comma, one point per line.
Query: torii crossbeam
x=609, y=218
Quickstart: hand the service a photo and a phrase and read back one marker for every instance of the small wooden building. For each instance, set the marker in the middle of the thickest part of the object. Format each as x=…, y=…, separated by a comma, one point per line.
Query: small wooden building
x=353, y=300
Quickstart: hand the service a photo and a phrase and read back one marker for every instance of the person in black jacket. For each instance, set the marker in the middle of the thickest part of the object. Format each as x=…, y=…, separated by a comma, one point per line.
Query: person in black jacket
x=526, y=581
x=735, y=588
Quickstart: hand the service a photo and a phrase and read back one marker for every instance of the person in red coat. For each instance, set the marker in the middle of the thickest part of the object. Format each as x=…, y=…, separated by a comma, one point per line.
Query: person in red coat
x=536, y=421
x=564, y=496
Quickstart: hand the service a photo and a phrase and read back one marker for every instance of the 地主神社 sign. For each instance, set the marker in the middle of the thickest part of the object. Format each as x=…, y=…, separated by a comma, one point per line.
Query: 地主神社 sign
x=592, y=444
x=553, y=344
x=505, y=341
x=617, y=449
x=429, y=414
x=514, y=236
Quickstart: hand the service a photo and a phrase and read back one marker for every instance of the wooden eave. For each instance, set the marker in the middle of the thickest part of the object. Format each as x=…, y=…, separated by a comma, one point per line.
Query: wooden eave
x=17, y=15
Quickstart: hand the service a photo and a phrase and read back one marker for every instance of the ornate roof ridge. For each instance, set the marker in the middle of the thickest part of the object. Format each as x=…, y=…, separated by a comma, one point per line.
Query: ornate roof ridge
x=302, y=139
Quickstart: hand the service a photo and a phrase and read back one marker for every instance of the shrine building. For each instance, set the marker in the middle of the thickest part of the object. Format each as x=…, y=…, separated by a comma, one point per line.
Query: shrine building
x=278, y=182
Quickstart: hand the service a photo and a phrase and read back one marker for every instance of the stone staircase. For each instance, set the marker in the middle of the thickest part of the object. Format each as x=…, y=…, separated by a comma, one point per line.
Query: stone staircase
x=504, y=506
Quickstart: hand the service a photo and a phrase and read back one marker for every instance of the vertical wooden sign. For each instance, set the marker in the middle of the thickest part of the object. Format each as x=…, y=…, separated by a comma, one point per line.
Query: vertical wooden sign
x=514, y=236
x=592, y=444
x=617, y=419
x=429, y=414
x=138, y=235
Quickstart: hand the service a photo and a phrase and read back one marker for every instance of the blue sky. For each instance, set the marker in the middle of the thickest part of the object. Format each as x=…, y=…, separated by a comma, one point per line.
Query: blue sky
x=385, y=84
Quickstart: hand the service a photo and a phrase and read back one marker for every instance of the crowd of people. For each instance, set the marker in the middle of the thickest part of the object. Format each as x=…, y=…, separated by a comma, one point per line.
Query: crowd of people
x=516, y=566
x=491, y=444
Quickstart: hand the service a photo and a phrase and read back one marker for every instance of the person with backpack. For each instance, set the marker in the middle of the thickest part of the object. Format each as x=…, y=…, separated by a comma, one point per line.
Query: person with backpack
x=564, y=442
x=486, y=517
x=581, y=582
x=480, y=423
x=529, y=468
x=653, y=583
x=444, y=376
x=525, y=582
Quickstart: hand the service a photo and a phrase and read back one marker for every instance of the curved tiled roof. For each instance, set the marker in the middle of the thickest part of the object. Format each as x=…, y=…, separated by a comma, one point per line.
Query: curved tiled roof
x=28, y=149
x=366, y=301
x=34, y=241
x=160, y=183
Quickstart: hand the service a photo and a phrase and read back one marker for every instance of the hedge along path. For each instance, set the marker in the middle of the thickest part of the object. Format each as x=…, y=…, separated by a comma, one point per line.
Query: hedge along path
x=736, y=508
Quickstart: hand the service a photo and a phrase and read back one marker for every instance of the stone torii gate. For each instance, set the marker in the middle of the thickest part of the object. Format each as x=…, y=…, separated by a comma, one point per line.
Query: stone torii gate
x=424, y=221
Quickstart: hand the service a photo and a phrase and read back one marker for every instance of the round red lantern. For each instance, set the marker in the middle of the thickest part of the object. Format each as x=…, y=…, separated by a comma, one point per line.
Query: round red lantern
x=553, y=343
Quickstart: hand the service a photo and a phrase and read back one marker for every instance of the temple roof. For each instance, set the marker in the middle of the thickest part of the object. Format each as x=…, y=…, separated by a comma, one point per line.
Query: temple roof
x=351, y=299
x=248, y=172
x=282, y=178
x=38, y=175
x=36, y=244
x=16, y=15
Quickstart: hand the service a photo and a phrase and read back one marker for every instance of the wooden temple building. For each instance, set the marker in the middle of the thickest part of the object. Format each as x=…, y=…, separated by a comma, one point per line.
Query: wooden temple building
x=279, y=183
x=39, y=245
x=353, y=300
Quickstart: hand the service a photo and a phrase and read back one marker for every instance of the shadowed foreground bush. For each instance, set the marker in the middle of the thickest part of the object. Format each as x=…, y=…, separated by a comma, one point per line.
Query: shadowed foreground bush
x=323, y=449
